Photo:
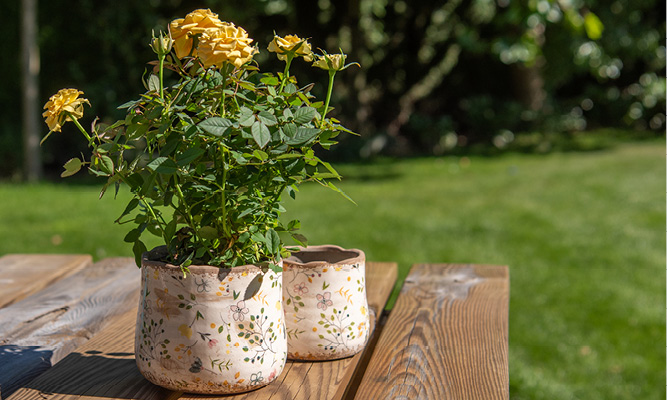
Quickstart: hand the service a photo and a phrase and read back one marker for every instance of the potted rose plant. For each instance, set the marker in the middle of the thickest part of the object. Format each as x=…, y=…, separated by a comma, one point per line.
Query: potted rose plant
x=207, y=158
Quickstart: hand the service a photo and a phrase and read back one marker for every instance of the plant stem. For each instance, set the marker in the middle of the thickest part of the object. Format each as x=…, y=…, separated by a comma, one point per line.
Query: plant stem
x=224, y=73
x=223, y=204
x=78, y=125
x=288, y=62
x=161, y=75
x=332, y=73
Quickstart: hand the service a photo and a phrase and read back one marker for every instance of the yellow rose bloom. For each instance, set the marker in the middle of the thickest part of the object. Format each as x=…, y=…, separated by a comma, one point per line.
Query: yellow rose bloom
x=337, y=62
x=280, y=46
x=63, y=106
x=195, y=23
x=227, y=44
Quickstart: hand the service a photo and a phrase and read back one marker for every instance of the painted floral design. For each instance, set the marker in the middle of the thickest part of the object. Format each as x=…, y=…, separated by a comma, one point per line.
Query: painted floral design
x=301, y=289
x=324, y=301
x=326, y=310
x=239, y=310
x=191, y=335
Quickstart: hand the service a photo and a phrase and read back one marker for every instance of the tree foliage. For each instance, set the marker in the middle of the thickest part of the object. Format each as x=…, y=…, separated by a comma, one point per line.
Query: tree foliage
x=435, y=73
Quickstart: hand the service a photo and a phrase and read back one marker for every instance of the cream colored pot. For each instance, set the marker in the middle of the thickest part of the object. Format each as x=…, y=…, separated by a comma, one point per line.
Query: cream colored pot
x=326, y=310
x=215, y=330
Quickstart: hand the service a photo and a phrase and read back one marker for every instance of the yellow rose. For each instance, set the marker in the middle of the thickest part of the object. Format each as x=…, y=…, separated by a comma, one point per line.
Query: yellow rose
x=196, y=23
x=227, y=44
x=334, y=62
x=280, y=46
x=63, y=106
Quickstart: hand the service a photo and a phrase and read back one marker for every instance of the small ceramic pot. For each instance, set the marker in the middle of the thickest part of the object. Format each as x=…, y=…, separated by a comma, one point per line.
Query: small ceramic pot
x=326, y=310
x=213, y=331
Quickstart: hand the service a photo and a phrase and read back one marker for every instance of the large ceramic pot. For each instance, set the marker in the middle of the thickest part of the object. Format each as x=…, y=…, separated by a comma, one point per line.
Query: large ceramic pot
x=326, y=309
x=214, y=330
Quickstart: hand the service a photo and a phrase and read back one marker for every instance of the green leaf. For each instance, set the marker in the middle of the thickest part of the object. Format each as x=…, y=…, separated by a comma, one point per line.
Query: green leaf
x=267, y=118
x=138, y=249
x=216, y=126
x=332, y=186
x=189, y=155
x=163, y=165
x=169, y=231
x=247, y=120
x=302, y=136
x=289, y=155
x=300, y=239
x=260, y=155
x=105, y=164
x=261, y=134
x=132, y=236
x=270, y=80
x=289, y=130
x=304, y=115
x=275, y=268
x=136, y=130
x=153, y=83
x=71, y=167
x=208, y=232
x=272, y=241
x=128, y=209
x=256, y=237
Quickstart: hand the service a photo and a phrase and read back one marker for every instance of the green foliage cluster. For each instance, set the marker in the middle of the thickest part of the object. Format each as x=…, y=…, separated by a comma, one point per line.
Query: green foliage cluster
x=208, y=158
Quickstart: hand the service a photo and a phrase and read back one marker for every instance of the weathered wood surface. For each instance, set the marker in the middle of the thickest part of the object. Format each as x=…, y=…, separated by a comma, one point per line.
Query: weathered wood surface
x=41, y=329
x=446, y=337
x=24, y=274
x=104, y=366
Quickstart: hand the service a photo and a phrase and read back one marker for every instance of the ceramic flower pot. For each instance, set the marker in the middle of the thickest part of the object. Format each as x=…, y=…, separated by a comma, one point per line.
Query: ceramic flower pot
x=326, y=309
x=214, y=331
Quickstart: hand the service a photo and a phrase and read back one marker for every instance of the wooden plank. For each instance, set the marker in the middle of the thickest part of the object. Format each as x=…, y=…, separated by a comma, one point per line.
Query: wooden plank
x=40, y=330
x=104, y=366
x=446, y=337
x=24, y=274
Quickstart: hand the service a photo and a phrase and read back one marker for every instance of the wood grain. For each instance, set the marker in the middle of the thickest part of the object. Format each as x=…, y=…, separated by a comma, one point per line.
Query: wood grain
x=40, y=330
x=446, y=337
x=104, y=366
x=24, y=274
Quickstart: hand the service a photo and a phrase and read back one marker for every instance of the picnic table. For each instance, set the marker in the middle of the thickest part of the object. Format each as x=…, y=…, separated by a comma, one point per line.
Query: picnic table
x=67, y=331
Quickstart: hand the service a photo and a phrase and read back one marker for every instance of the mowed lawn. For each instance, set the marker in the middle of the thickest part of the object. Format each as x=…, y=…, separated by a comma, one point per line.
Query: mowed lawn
x=582, y=232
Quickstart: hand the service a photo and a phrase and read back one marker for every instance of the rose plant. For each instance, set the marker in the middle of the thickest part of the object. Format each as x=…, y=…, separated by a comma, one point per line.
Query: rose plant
x=208, y=156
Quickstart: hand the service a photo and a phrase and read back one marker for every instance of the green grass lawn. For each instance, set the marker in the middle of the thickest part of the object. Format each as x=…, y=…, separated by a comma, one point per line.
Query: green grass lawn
x=583, y=234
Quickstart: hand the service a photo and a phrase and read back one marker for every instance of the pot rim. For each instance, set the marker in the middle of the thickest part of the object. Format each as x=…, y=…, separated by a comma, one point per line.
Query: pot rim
x=151, y=257
x=357, y=257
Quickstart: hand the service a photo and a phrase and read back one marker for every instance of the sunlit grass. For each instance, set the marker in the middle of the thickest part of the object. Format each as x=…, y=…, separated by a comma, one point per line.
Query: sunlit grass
x=583, y=234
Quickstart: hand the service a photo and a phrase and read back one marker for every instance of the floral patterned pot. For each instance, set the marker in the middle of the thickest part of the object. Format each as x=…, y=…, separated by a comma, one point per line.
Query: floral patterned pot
x=214, y=331
x=326, y=310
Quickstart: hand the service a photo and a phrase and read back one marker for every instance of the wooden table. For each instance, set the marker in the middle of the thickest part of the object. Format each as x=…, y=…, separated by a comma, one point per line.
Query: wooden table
x=67, y=331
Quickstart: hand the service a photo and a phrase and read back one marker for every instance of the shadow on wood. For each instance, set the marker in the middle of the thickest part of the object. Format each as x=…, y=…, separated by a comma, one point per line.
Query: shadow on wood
x=33, y=359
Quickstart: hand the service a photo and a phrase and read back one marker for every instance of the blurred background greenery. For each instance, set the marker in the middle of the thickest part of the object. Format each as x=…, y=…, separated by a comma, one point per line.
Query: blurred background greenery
x=437, y=77
x=528, y=133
